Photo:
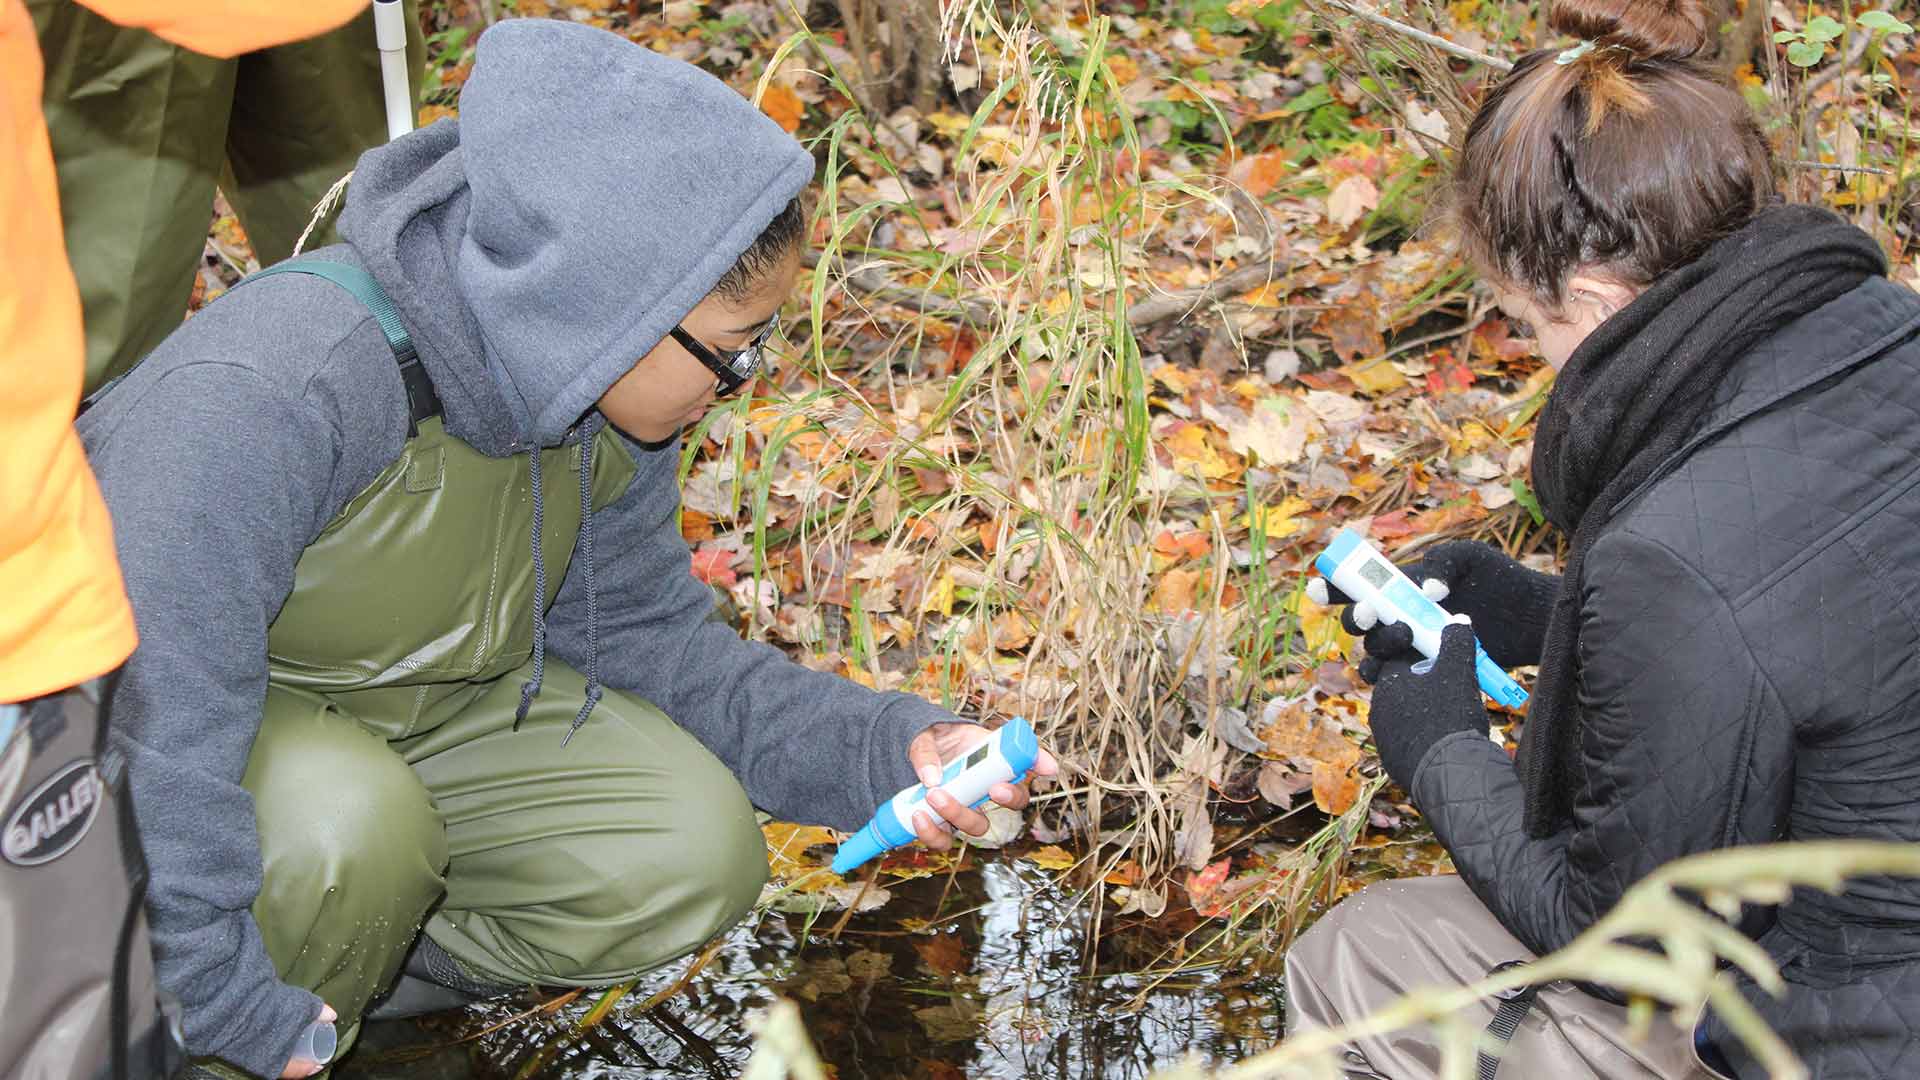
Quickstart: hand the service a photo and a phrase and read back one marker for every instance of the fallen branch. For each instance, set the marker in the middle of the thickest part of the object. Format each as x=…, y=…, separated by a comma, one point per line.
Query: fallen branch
x=872, y=280
x=1168, y=305
x=1421, y=36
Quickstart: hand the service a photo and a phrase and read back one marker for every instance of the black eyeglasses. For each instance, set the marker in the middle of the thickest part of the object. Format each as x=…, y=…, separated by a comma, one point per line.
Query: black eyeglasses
x=733, y=367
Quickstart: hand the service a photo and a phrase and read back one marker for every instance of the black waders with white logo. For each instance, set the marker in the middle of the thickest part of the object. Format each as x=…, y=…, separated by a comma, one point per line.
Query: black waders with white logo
x=77, y=994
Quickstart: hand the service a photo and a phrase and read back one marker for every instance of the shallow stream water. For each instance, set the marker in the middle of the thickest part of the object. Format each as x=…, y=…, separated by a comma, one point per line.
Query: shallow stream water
x=994, y=987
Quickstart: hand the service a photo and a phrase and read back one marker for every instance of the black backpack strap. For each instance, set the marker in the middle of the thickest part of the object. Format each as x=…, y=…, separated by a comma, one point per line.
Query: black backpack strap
x=422, y=400
x=1515, y=1004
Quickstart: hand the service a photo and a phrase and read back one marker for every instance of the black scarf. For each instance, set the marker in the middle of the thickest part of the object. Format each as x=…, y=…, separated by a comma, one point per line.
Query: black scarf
x=1630, y=396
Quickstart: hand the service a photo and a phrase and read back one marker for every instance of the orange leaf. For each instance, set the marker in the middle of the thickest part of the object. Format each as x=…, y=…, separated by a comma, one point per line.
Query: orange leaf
x=1334, y=788
x=695, y=526
x=784, y=106
x=1192, y=544
x=1392, y=526
x=1011, y=631
x=1261, y=172
x=1353, y=330
x=1202, y=885
x=1175, y=592
x=944, y=954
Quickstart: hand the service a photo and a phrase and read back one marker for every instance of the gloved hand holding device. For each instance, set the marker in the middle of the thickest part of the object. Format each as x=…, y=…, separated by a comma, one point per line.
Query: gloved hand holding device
x=1414, y=709
x=1508, y=603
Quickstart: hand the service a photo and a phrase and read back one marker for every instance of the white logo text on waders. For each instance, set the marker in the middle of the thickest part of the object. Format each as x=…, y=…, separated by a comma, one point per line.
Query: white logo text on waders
x=54, y=817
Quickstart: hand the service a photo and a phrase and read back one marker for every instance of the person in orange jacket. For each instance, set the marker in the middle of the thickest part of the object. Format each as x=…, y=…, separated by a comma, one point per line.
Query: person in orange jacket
x=80, y=1001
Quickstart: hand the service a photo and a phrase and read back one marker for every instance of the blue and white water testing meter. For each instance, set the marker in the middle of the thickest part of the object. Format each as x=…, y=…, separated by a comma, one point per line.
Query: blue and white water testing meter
x=1357, y=568
x=1004, y=758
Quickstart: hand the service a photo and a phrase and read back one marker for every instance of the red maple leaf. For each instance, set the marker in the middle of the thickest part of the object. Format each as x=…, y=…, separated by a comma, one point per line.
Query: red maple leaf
x=713, y=566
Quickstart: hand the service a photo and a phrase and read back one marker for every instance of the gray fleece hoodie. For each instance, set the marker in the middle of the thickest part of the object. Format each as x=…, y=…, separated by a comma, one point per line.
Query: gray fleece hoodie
x=590, y=195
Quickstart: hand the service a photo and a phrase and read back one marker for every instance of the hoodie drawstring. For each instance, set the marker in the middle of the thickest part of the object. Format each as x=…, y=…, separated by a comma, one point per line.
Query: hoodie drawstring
x=531, y=688
x=588, y=432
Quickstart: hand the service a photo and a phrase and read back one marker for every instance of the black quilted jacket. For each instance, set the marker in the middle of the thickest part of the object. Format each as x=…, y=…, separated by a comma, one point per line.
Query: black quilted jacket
x=1749, y=672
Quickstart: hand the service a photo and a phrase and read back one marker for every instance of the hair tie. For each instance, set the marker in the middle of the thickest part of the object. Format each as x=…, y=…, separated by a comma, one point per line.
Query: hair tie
x=1568, y=56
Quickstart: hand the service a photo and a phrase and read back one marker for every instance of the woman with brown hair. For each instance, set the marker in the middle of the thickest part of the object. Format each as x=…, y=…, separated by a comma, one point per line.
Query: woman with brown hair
x=1730, y=655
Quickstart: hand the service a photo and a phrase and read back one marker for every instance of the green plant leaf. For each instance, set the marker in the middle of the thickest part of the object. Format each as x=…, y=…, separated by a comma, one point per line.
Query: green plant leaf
x=1822, y=29
x=1802, y=54
x=1781, y=37
x=1881, y=22
x=1523, y=495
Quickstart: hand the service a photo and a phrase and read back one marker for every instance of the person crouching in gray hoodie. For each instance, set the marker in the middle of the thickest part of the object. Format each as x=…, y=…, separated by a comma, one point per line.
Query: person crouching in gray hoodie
x=420, y=649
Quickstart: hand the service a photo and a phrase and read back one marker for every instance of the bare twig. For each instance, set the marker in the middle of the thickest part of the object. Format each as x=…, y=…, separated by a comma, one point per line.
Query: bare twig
x=1245, y=279
x=857, y=89
x=1421, y=36
x=872, y=280
x=1831, y=167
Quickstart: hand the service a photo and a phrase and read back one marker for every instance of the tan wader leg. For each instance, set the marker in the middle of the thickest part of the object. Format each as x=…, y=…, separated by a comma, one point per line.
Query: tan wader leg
x=588, y=863
x=142, y=130
x=1397, y=936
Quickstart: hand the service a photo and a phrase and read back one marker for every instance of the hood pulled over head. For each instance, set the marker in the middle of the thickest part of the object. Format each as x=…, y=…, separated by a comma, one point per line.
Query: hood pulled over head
x=591, y=193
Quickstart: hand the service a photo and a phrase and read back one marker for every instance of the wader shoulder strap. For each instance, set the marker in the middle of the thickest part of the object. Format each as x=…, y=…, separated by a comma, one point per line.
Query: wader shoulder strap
x=422, y=401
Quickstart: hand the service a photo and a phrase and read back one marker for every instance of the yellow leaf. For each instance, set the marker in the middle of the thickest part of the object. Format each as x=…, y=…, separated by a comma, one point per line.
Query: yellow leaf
x=1375, y=376
x=1052, y=857
x=1280, y=521
x=1192, y=452
x=787, y=845
x=1321, y=628
x=939, y=595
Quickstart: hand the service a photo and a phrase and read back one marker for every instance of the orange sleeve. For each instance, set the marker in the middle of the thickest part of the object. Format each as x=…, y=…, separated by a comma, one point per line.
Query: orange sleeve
x=63, y=611
x=230, y=27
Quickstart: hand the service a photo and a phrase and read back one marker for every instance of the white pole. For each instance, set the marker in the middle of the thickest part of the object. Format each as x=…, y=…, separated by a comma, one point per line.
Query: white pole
x=390, y=33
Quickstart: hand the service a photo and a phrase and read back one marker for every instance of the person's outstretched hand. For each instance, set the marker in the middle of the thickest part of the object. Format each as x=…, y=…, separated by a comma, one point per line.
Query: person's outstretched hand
x=1412, y=710
x=929, y=753
x=298, y=1068
x=1508, y=603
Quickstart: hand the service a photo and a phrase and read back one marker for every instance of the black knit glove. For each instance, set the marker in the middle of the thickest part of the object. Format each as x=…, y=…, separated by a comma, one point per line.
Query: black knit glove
x=1508, y=603
x=1411, y=711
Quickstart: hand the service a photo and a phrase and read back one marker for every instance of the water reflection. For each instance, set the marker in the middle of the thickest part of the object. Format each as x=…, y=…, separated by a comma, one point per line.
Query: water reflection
x=994, y=988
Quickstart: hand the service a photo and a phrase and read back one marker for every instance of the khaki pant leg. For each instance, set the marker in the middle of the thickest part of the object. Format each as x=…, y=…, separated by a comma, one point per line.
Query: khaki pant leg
x=1398, y=936
x=303, y=113
x=583, y=864
x=352, y=848
x=138, y=128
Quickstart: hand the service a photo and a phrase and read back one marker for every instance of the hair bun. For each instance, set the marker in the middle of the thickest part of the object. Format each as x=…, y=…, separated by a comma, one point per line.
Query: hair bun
x=1647, y=29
